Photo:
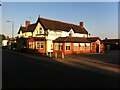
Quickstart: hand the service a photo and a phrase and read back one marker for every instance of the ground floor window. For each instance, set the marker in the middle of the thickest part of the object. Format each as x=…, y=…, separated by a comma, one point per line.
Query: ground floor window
x=39, y=45
x=75, y=46
x=60, y=46
x=87, y=46
x=67, y=46
x=56, y=46
x=31, y=45
x=92, y=46
x=52, y=46
x=82, y=46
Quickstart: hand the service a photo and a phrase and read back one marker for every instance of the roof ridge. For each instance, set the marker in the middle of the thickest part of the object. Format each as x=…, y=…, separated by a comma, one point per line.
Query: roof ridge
x=23, y=26
x=31, y=24
x=60, y=21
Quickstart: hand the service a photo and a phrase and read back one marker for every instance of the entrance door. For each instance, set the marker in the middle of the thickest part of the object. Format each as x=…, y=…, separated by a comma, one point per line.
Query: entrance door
x=97, y=48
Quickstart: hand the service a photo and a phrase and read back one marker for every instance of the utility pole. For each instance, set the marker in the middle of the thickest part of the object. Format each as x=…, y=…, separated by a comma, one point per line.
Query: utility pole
x=12, y=29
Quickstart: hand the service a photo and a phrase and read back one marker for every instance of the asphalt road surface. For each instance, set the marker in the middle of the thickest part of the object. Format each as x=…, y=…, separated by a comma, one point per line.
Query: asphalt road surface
x=112, y=56
x=20, y=71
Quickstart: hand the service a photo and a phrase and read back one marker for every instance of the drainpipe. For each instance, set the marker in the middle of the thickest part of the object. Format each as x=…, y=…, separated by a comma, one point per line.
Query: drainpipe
x=46, y=52
x=99, y=47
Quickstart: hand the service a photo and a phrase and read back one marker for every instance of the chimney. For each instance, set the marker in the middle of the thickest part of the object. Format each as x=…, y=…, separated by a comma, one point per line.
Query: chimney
x=81, y=24
x=21, y=25
x=39, y=16
x=27, y=23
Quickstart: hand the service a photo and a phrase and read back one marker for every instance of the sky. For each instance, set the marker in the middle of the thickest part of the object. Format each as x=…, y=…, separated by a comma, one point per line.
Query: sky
x=100, y=18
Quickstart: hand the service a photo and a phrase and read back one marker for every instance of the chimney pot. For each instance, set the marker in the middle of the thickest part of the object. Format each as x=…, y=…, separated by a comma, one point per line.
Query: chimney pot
x=39, y=16
x=21, y=25
x=81, y=24
x=27, y=23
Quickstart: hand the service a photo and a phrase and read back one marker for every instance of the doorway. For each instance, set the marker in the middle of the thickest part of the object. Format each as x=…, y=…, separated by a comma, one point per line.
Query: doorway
x=97, y=48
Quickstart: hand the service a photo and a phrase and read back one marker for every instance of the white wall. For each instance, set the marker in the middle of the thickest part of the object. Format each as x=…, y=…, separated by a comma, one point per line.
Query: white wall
x=4, y=42
x=52, y=35
x=27, y=34
x=35, y=32
x=49, y=43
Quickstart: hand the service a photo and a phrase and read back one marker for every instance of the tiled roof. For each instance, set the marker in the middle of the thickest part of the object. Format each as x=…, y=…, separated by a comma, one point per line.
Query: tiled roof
x=58, y=25
x=71, y=39
x=54, y=25
x=30, y=27
x=22, y=29
x=111, y=41
x=93, y=39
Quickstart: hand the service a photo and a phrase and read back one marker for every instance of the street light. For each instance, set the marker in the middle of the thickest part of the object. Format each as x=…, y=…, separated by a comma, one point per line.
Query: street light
x=12, y=28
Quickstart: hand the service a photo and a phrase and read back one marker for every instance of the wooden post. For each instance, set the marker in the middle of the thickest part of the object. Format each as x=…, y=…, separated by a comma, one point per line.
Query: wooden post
x=55, y=54
x=63, y=55
x=50, y=54
x=46, y=53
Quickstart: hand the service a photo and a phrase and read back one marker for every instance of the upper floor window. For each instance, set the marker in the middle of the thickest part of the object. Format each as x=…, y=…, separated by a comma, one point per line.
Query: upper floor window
x=71, y=33
x=40, y=30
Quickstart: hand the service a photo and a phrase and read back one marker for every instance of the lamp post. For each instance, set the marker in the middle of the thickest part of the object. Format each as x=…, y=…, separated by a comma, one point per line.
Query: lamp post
x=12, y=28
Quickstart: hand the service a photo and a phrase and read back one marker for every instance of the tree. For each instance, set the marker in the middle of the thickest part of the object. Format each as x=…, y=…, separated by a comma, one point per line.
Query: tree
x=2, y=37
x=106, y=38
x=8, y=38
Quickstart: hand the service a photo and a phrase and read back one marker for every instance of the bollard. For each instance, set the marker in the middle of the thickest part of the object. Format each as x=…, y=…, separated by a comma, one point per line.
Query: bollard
x=50, y=54
x=63, y=55
x=55, y=55
x=46, y=53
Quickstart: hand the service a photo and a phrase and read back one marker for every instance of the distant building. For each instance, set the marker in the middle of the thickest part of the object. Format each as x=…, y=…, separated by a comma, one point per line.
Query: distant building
x=111, y=44
x=4, y=42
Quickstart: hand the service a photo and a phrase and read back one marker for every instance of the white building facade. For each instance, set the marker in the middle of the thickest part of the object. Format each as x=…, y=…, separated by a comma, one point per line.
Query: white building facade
x=50, y=30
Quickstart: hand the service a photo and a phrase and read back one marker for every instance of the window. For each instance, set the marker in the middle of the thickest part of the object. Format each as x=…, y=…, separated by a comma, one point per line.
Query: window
x=31, y=45
x=39, y=45
x=67, y=46
x=92, y=46
x=51, y=46
x=87, y=46
x=60, y=46
x=40, y=31
x=75, y=46
x=71, y=33
x=56, y=46
x=82, y=46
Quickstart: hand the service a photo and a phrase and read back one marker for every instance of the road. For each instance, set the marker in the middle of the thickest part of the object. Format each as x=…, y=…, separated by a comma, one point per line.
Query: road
x=21, y=71
x=111, y=56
